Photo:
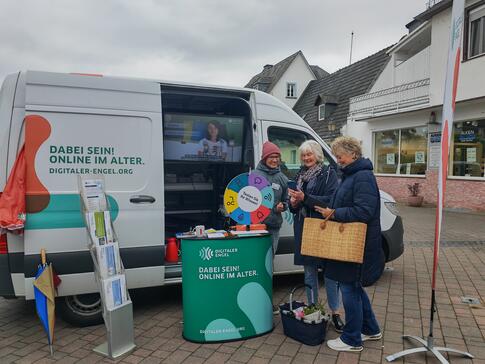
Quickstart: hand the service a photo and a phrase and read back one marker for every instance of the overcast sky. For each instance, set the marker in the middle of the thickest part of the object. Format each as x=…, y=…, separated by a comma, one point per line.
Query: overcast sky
x=210, y=41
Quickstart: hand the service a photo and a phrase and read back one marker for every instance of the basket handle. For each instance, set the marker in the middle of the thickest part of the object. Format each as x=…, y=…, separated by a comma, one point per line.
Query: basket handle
x=323, y=224
x=298, y=287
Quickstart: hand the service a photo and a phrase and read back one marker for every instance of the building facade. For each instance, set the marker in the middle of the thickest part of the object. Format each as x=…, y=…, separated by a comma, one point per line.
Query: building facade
x=398, y=119
x=287, y=79
x=324, y=104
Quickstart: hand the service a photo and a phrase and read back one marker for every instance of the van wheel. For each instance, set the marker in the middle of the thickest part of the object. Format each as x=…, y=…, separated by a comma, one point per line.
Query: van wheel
x=81, y=310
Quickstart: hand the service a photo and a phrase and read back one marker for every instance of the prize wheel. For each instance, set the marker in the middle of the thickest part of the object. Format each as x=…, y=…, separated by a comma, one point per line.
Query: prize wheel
x=248, y=198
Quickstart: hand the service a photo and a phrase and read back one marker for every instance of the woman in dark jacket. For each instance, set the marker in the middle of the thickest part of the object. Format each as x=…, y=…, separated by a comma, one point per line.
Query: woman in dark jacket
x=269, y=167
x=356, y=200
x=315, y=186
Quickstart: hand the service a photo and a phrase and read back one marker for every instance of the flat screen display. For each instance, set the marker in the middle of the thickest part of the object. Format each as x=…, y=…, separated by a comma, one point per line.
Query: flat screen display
x=189, y=137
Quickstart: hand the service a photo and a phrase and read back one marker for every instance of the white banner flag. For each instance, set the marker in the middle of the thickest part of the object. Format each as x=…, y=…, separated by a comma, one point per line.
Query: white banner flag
x=451, y=84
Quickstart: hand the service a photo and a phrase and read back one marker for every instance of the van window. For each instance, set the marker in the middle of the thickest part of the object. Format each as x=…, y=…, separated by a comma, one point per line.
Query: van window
x=288, y=140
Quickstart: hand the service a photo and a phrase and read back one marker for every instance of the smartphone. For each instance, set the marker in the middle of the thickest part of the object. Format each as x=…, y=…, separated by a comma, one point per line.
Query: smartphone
x=292, y=185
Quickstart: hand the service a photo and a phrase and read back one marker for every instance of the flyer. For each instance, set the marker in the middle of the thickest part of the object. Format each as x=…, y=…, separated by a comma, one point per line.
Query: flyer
x=114, y=289
x=93, y=194
x=471, y=155
x=419, y=157
x=99, y=225
x=109, y=260
x=390, y=158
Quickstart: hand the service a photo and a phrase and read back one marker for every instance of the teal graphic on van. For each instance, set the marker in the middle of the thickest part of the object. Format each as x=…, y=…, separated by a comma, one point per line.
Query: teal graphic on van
x=63, y=212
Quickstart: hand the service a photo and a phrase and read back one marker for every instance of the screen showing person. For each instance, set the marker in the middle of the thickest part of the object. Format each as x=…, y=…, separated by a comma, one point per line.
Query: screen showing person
x=213, y=138
x=213, y=145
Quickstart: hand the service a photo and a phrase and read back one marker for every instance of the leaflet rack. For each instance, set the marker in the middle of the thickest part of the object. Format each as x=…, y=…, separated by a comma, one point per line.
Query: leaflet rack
x=108, y=268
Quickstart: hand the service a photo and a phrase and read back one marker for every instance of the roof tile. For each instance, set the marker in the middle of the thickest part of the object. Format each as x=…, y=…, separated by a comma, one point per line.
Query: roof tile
x=353, y=80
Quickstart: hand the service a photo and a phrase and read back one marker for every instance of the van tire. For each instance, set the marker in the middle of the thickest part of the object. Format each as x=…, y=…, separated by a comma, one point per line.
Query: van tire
x=81, y=310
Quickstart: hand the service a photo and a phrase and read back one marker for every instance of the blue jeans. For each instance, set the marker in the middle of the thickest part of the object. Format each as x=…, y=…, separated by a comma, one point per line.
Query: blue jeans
x=333, y=297
x=359, y=317
x=311, y=278
x=331, y=286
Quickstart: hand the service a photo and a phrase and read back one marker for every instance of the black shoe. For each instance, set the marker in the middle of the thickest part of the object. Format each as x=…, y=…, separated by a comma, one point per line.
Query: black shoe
x=337, y=322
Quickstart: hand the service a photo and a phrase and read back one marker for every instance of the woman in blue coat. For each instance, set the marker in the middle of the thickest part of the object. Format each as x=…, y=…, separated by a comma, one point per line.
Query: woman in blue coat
x=356, y=200
x=315, y=186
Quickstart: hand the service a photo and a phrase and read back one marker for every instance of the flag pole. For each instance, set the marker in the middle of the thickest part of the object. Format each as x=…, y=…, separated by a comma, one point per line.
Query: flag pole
x=454, y=58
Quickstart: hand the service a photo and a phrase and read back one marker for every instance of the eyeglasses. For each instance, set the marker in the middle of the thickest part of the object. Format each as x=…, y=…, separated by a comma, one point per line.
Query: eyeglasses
x=273, y=157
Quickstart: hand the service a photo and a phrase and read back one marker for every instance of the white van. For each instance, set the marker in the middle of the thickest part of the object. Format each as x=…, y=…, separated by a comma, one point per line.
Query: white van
x=162, y=174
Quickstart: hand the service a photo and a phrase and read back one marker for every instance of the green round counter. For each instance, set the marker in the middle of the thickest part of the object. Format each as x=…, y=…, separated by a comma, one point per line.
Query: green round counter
x=227, y=288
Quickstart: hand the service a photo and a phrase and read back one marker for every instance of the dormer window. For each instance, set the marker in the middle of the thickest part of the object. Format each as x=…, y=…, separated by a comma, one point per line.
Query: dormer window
x=326, y=105
x=321, y=112
x=325, y=110
x=291, y=90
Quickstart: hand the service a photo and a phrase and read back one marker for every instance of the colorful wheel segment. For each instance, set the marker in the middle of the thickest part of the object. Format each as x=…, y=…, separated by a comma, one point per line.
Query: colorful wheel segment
x=260, y=214
x=248, y=198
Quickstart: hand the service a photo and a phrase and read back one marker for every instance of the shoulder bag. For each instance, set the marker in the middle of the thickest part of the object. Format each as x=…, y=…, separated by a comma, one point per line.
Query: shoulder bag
x=334, y=240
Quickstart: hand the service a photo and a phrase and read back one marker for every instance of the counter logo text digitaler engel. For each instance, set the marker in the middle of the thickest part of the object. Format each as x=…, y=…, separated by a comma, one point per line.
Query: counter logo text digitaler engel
x=206, y=253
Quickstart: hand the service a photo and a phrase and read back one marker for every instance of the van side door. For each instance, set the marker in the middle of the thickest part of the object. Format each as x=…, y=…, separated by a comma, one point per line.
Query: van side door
x=78, y=125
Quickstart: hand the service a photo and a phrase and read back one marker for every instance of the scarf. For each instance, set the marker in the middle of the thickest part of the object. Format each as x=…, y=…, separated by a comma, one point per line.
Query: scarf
x=308, y=174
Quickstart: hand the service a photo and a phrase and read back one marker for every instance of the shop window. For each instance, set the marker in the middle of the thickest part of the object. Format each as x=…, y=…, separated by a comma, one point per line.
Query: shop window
x=476, y=31
x=468, y=152
x=413, y=151
x=401, y=151
x=386, y=151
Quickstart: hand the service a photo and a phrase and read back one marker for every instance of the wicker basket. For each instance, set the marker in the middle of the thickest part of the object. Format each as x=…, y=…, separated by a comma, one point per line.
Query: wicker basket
x=334, y=240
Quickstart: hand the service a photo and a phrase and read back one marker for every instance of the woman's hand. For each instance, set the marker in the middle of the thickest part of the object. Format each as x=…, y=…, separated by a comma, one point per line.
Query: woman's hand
x=293, y=203
x=297, y=195
x=280, y=207
x=325, y=211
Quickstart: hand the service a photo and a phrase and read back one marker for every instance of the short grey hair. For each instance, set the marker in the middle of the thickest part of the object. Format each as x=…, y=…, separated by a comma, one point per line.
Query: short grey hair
x=314, y=147
x=348, y=145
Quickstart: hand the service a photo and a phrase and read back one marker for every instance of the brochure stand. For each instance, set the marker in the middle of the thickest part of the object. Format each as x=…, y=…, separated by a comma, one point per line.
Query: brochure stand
x=108, y=268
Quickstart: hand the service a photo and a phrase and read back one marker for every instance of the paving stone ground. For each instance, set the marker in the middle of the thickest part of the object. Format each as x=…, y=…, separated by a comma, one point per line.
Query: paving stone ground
x=401, y=301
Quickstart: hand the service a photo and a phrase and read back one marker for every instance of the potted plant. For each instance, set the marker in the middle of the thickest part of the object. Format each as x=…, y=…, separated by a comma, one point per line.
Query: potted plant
x=414, y=198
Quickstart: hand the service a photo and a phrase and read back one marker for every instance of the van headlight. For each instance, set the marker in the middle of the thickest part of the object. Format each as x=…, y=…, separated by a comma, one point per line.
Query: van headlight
x=392, y=207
